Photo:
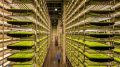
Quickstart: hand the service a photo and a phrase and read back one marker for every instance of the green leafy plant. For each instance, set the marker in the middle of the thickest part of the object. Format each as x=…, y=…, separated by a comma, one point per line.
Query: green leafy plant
x=21, y=45
x=96, y=66
x=98, y=57
x=117, y=50
x=94, y=45
x=22, y=55
x=117, y=42
x=19, y=34
x=24, y=63
x=22, y=66
x=24, y=43
x=117, y=59
x=97, y=45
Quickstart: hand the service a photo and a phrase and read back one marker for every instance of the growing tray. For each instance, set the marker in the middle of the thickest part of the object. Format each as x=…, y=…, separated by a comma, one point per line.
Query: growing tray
x=22, y=1
x=98, y=46
x=22, y=63
x=19, y=34
x=20, y=10
x=99, y=57
x=102, y=23
x=102, y=11
x=22, y=66
x=117, y=59
x=116, y=50
x=96, y=66
x=94, y=45
x=100, y=35
x=21, y=57
x=21, y=45
x=117, y=42
x=16, y=22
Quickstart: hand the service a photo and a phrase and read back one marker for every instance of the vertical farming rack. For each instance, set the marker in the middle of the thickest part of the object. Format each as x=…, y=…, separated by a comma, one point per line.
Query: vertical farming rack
x=92, y=32
x=25, y=33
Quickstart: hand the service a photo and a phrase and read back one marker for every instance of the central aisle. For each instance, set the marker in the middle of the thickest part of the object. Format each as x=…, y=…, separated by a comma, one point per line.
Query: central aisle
x=50, y=60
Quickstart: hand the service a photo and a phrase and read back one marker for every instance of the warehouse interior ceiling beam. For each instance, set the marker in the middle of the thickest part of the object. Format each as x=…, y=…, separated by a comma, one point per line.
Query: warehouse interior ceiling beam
x=55, y=10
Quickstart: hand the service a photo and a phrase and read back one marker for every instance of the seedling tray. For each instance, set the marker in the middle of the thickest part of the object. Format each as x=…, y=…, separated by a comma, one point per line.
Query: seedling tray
x=117, y=42
x=102, y=23
x=19, y=34
x=20, y=10
x=94, y=45
x=98, y=46
x=116, y=50
x=22, y=66
x=22, y=63
x=21, y=45
x=102, y=11
x=89, y=63
x=100, y=35
x=21, y=57
x=99, y=57
x=16, y=22
x=22, y=1
x=96, y=66
x=117, y=59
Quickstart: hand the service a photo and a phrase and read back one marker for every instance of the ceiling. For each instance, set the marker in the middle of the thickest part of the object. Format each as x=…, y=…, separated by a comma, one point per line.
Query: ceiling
x=55, y=10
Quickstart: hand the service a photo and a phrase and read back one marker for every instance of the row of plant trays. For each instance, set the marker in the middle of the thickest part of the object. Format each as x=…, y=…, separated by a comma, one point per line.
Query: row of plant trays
x=101, y=35
x=101, y=12
x=96, y=57
x=102, y=23
x=96, y=45
x=22, y=65
x=99, y=57
x=99, y=2
x=14, y=10
x=21, y=45
x=97, y=34
x=88, y=63
x=117, y=59
x=24, y=52
x=94, y=60
x=104, y=58
x=21, y=57
x=117, y=51
x=93, y=45
x=117, y=42
x=21, y=22
x=19, y=34
x=23, y=1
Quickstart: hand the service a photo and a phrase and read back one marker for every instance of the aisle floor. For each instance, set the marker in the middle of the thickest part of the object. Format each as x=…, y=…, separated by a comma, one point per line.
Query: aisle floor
x=50, y=60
